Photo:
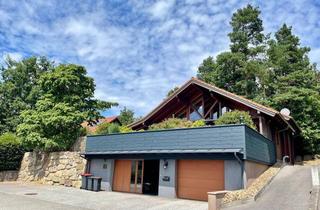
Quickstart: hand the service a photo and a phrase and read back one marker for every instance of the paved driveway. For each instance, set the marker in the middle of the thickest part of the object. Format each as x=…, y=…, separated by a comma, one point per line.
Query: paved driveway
x=14, y=196
x=290, y=190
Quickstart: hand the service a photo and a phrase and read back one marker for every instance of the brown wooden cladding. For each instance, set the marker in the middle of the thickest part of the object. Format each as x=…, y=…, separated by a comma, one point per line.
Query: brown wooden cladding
x=122, y=174
x=198, y=177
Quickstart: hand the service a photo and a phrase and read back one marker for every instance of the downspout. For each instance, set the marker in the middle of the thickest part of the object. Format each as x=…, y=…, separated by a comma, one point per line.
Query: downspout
x=88, y=164
x=241, y=165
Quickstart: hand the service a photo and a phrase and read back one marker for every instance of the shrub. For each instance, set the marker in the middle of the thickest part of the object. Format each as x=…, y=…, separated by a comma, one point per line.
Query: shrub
x=125, y=129
x=235, y=117
x=83, y=131
x=11, y=152
x=198, y=123
x=114, y=128
x=176, y=123
x=107, y=128
x=102, y=128
x=9, y=139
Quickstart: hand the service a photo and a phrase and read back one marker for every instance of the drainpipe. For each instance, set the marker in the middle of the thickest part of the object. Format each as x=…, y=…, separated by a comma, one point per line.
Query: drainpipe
x=242, y=168
x=284, y=159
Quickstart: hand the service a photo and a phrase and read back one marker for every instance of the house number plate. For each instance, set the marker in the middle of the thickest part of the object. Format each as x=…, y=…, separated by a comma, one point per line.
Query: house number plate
x=166, y=178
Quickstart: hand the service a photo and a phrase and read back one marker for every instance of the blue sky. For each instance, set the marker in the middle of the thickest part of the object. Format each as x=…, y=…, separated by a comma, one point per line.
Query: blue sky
x=137, y=50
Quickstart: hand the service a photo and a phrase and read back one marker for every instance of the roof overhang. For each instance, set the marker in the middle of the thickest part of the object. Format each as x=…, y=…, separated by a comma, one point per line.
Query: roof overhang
x=215, y=150
x=249, y=103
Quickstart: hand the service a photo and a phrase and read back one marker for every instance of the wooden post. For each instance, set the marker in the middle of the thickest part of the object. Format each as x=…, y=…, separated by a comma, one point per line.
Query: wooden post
x=203, y=112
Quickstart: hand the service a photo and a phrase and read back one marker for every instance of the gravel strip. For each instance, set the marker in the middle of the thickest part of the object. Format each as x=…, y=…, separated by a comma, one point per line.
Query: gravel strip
x=314, y=162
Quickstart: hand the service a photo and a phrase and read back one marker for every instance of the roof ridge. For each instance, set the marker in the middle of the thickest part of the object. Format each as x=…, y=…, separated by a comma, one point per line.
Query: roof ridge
x=243, y=97
x=221, y=91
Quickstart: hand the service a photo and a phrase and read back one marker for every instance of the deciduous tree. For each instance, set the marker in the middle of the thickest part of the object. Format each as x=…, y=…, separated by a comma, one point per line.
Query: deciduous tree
x=126, y=116
x=18, y=89
x=67, y=100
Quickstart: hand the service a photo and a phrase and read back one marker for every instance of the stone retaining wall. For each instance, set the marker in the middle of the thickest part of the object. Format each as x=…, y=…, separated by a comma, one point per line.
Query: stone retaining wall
x=56, y=168
x=8, y=176
x=79, y=145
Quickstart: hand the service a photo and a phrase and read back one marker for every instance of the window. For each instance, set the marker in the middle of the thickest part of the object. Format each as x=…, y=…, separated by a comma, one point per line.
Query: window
x=214, y=116
x=136, y=176
x=194, y=115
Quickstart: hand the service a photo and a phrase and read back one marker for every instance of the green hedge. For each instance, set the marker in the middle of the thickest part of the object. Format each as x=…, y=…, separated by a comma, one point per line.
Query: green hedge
x=11, y=152
x=176, y=123
x=236, y=117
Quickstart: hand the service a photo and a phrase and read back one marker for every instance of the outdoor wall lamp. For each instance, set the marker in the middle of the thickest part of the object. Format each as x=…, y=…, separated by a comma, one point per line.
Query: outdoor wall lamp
x=165, y=164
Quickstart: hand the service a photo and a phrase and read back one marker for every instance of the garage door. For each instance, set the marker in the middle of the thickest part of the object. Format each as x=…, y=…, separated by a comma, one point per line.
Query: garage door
x=121, y=176
x=197, y=177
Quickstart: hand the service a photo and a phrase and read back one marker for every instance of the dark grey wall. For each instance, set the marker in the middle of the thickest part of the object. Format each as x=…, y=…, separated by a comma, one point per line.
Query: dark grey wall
x=258, y=148
x=230, y=136
x=173, y=143
x=167, y=188
x=103, y=168
x=232, y=175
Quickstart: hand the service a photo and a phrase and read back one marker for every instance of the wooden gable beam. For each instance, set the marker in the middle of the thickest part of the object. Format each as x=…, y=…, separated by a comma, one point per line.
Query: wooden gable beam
x=189, y=104
x=196, y=110
x=210, y=109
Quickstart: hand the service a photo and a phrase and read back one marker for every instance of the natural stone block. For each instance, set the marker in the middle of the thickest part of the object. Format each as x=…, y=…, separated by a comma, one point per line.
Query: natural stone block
x=79, y=167
x=61, y=167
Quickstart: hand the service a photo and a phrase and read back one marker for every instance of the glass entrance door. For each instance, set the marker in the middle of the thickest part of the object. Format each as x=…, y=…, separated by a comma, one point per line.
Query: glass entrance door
x=136, y=180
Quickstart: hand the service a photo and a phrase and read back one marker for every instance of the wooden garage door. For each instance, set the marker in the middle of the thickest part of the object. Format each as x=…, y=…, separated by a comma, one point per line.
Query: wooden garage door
x=121, y=176
x=197, y=177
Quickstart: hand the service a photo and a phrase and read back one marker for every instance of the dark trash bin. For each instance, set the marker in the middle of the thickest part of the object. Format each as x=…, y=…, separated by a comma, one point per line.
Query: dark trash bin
x=90, y=183
x=84, y=180
x=96, y=183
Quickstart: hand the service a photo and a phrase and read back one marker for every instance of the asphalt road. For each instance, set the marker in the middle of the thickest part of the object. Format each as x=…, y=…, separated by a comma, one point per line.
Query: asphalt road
x=13, y=196
x=290, y=190
x=18, y=202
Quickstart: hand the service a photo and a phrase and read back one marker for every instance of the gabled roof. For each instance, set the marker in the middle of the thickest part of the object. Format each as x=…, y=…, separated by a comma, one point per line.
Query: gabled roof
x=109, y=119
x=92, y=128
x=240, y=99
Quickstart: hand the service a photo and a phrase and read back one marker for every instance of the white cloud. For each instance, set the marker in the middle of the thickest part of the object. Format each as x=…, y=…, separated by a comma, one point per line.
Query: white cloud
x=315, y=55
x=13, y=55
x=136, y=51
x=161, y=8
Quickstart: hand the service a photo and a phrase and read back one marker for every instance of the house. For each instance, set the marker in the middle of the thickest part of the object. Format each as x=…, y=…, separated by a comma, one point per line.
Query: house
x=93, y=128
x=189, y=162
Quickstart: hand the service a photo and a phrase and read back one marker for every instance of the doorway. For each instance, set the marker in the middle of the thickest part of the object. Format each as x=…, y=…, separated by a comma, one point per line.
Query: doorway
x=128, y=176
x=136, y=178
x=151, y=177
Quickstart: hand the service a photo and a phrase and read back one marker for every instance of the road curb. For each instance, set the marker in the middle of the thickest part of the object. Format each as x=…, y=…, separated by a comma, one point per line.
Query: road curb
x=314, y=198
x=314, y=194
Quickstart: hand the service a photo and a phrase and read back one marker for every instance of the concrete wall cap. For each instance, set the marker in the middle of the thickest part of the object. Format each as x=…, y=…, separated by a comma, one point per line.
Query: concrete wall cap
x=218, y=192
